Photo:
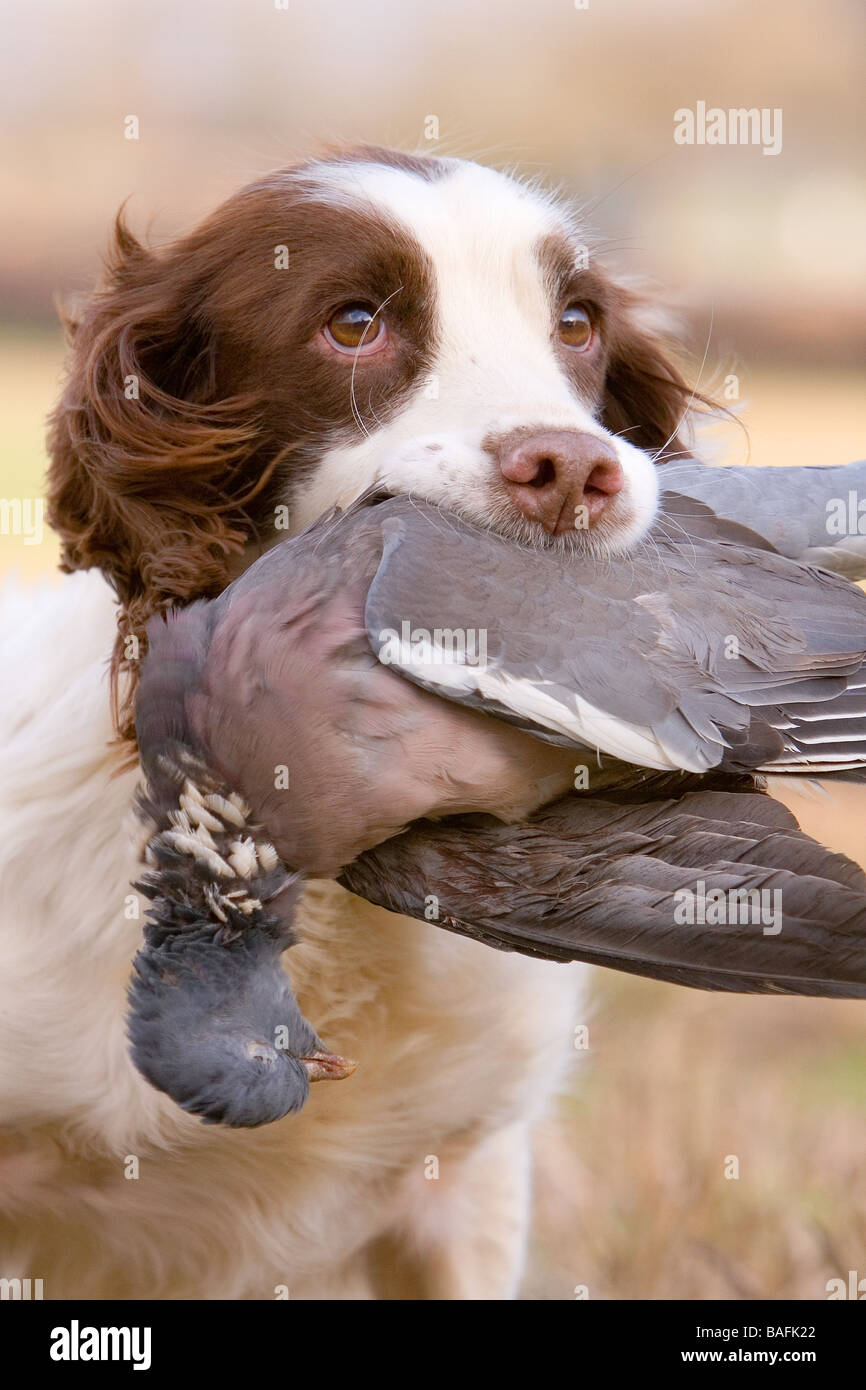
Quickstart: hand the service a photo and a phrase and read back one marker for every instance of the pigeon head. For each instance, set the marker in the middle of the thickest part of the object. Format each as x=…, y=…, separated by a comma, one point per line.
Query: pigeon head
x=215, y=1024
x=213, y=1021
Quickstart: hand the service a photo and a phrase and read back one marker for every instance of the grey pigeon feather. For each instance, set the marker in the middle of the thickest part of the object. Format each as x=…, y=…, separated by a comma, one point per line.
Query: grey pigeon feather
x=813, y=514
x=655, y=659
x=597, y=880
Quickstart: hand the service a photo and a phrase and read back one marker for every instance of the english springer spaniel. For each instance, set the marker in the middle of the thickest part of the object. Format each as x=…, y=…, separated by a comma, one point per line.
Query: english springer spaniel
x=368, y=316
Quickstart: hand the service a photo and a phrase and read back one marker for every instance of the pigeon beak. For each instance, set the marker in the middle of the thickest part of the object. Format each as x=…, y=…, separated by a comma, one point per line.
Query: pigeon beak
x=325, y=1066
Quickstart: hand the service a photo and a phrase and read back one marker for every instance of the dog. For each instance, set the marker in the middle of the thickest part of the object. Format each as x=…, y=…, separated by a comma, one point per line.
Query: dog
x=367, y=317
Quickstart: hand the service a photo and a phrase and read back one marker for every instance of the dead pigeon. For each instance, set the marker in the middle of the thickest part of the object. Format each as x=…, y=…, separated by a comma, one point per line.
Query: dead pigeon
x=397, y=697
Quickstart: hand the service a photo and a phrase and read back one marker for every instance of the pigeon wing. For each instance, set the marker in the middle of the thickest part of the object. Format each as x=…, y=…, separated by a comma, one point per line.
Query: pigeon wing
x=683, y=655
x=810, y=514
x=714, y=889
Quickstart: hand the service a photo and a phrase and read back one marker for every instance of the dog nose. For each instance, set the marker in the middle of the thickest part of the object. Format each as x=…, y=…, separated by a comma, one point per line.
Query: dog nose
x=562, y=479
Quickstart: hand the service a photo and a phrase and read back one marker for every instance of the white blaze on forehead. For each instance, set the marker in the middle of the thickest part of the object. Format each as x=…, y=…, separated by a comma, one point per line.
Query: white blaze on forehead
x=481, y=231
x=467, y=203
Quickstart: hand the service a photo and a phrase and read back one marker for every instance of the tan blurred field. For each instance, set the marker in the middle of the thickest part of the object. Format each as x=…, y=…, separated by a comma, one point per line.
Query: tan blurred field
x=632, y=1197
x=633, y=1201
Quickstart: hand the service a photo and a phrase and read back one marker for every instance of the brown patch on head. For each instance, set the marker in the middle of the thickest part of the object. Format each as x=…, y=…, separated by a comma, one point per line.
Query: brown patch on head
x=199, y=387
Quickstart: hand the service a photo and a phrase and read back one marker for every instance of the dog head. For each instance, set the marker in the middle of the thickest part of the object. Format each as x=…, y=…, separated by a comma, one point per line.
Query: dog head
x=370, y=317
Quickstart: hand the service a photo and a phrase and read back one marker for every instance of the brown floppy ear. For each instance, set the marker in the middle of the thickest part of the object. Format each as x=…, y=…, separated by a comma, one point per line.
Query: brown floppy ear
x=646, y=397
x=151, y=471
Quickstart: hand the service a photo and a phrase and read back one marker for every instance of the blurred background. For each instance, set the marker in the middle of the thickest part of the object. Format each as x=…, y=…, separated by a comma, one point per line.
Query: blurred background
x=765, y=259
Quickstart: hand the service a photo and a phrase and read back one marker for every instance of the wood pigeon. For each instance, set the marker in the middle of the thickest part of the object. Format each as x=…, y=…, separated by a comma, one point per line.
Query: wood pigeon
x=545, y=751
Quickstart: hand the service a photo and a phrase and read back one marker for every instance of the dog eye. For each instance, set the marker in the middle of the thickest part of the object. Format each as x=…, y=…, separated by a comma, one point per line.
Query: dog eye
x=575, y=327
x=355, y=326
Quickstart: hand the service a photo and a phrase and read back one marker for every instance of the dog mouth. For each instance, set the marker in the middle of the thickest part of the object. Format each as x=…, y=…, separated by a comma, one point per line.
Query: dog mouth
x=605, y=527
x=615, y=532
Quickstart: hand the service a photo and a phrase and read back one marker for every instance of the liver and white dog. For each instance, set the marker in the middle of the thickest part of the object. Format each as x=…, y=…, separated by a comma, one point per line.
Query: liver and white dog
x=368, y=316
